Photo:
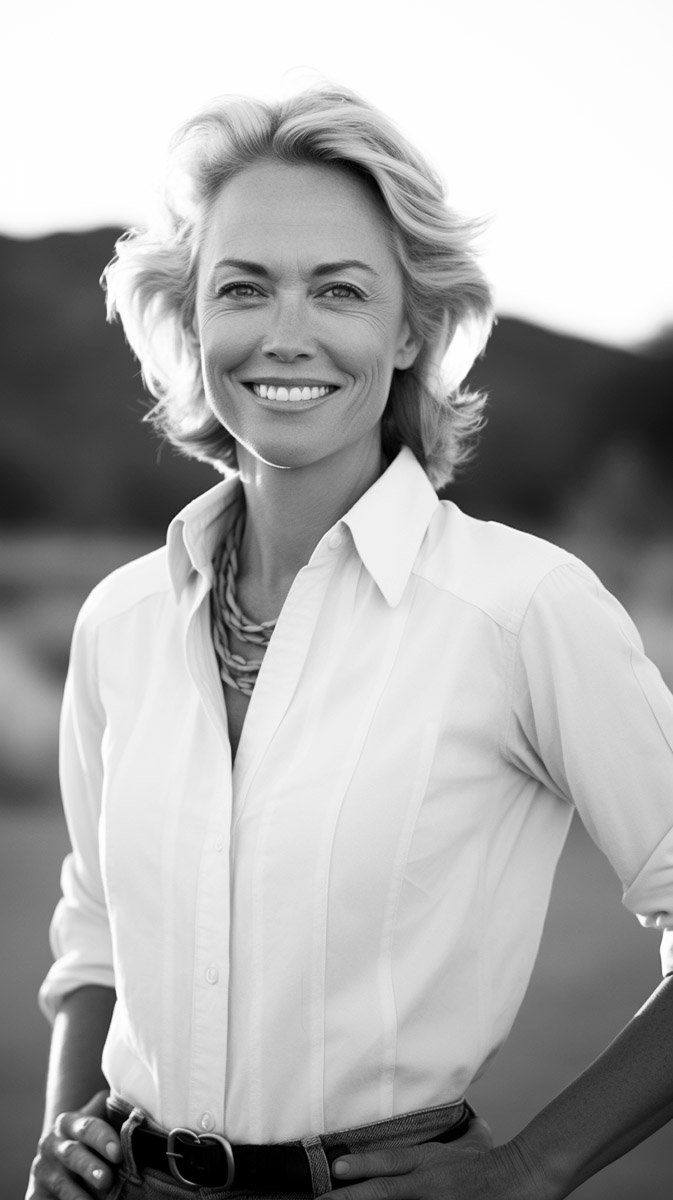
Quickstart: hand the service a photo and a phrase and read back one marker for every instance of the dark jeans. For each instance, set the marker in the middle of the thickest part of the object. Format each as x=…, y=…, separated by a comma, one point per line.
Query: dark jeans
x=406, y=1130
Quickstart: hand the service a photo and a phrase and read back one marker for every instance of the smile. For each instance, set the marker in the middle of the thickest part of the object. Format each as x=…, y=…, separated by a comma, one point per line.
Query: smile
x=290, y=394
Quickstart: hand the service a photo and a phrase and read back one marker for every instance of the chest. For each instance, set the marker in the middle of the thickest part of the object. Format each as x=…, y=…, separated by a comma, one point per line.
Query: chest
x=251, y=599
x=236, y=704
x=374, y=741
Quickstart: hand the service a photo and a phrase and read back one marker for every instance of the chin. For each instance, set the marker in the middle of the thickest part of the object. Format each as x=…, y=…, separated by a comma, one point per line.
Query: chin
x=283, y=457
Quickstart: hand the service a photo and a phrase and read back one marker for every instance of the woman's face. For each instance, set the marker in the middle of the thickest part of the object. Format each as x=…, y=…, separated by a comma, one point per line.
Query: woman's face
x=300, y=313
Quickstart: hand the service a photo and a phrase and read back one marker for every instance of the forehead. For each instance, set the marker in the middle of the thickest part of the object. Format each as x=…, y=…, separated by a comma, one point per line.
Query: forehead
x=277, y=208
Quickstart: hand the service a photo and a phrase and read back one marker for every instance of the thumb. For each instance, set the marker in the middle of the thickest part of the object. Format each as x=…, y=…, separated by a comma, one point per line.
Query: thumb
x=478, y=1136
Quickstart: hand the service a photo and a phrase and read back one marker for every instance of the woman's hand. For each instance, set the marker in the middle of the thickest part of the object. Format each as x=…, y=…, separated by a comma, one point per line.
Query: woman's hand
x=78, y=1157
x=467, y=1169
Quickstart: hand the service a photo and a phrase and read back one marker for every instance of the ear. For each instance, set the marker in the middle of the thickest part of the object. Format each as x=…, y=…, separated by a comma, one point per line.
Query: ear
x=408, y=347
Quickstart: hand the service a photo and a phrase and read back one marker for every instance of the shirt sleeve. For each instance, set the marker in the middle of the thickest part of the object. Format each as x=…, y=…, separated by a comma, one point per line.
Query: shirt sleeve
x=592, y=719
x=79, y=933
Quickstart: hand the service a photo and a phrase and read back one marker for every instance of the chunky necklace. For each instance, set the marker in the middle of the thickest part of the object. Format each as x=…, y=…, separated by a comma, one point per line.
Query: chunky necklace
x=226, y=615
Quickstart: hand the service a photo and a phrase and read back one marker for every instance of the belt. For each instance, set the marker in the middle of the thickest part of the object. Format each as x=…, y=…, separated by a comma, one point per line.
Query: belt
x=209, y=1160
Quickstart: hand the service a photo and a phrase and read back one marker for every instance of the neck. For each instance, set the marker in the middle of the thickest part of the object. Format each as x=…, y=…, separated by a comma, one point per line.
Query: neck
x=289, y=510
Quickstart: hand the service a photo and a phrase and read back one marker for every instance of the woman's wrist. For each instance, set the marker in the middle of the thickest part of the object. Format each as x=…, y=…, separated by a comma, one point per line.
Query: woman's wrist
x=524, y=1177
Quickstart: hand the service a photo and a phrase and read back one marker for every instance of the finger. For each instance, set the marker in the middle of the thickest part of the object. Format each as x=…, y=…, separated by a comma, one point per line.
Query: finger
x=57, y=1184
x=385, y=1187
x=95, y=1133
x=80, y=1161
x=399, y=1161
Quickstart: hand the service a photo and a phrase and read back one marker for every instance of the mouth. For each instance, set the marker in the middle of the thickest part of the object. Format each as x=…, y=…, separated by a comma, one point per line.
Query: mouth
x=293, y=393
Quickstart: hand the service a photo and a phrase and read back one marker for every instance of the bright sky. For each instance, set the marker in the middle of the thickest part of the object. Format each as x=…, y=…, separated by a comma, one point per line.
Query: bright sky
x=551, y=116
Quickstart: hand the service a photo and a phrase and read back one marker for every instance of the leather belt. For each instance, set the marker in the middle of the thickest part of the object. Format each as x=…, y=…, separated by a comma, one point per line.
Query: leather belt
x=209, y=1160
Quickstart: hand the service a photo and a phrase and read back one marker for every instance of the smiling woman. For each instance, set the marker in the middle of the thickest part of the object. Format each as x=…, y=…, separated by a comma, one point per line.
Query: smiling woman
x=389, y=203
x=312, y=747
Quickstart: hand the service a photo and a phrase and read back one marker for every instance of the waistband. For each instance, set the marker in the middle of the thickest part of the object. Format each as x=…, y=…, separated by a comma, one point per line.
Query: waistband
x=301, y=1166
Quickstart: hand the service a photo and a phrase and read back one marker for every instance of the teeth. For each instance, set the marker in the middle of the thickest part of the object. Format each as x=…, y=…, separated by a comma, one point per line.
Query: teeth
x=293, y=394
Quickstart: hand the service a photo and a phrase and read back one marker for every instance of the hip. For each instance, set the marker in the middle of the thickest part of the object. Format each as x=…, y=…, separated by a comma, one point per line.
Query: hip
x=170, y=1165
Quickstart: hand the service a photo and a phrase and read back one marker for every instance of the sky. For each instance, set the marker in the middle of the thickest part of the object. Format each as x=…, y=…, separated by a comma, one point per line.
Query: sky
x=552, y=118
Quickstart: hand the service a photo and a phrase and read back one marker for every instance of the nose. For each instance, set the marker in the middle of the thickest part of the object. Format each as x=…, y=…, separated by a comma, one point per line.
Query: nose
x=289, y=335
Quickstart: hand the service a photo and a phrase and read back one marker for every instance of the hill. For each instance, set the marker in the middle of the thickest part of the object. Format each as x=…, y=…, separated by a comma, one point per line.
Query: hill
x=563, y=412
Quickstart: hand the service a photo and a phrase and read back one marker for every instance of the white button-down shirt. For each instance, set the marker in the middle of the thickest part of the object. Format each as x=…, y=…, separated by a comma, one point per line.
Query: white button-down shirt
x=342, y=928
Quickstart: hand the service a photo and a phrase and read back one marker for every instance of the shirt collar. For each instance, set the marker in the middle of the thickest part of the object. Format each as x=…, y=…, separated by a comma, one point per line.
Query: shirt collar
x=194, y=534
x=389, y=522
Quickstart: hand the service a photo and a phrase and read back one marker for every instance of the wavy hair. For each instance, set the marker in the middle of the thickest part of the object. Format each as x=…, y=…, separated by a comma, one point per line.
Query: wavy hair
x=151, y=281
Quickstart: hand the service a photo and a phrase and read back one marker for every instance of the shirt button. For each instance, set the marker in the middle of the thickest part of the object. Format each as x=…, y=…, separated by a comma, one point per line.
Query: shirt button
x=206, y=1121
x=335, y=540
x=212, y=974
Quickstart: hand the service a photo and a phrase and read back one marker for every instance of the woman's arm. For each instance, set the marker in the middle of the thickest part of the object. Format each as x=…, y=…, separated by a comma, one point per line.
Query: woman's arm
x=78, y=1150
x=623, y=1097
x=79, y=1033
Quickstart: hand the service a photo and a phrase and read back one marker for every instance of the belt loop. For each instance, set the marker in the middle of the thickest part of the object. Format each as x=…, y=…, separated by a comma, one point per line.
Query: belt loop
x=321, y=1180
x=135, y=1118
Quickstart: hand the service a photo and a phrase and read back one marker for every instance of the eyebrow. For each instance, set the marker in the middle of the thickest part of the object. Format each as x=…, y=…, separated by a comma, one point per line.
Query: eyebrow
x=254, y=268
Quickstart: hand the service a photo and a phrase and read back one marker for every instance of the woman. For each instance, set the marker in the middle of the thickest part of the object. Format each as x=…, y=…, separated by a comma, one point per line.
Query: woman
x=320, y=754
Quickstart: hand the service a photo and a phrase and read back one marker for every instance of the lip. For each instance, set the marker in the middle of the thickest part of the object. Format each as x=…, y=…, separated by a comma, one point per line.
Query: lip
x=280, y=382
x=277, y=381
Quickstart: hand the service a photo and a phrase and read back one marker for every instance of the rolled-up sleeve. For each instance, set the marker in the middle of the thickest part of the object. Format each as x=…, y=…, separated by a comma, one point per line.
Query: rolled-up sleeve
x=79, y=932
x=592, y=719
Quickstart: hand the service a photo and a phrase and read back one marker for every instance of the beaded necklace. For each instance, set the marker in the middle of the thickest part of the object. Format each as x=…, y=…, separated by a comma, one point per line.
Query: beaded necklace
x=226, y=615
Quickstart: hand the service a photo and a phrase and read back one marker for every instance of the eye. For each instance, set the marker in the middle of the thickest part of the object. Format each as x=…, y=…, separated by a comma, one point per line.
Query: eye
x=342, y=291
x=240, y=291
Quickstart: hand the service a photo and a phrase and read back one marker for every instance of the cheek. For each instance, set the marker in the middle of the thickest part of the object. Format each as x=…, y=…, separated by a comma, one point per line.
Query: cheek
x=363, y=351
x=226, y=343
x=370, y=340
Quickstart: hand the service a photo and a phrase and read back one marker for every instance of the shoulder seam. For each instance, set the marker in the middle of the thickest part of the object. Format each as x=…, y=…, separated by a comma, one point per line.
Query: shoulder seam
x=508, y=626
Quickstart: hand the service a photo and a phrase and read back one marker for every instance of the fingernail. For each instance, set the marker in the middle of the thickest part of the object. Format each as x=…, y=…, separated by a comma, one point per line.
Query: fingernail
x=97, y=1174
x=112, y=1150
x=81, y=1124
x=340, y=1167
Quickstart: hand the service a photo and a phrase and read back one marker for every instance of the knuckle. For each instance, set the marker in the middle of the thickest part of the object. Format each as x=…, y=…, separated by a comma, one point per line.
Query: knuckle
x=58, y=1185
x=407, y=1159
x=43, y=1144
x=382, y=1188
x=64, y=1189
x=60, y=1123
x=37, y=1169
x=66, y=1148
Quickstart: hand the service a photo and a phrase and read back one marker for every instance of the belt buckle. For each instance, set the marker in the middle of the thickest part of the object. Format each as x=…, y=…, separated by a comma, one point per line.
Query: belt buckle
x=172, y=1154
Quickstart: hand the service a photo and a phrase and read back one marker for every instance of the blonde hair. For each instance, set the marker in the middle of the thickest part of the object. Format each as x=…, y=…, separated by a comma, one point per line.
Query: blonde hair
x=151, y=281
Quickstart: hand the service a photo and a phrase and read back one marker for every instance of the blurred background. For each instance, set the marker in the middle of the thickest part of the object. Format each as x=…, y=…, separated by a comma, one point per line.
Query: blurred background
x=553, y=120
